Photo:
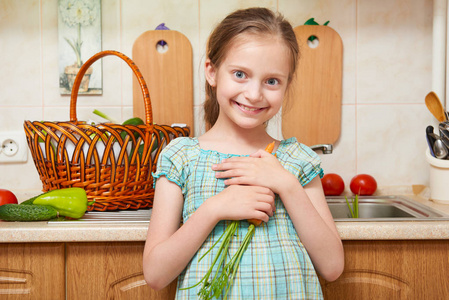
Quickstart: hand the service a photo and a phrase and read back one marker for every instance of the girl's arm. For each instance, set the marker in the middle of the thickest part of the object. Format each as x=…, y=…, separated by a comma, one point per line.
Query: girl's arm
x=315, y=226
x=306, y=207
x=169, y=247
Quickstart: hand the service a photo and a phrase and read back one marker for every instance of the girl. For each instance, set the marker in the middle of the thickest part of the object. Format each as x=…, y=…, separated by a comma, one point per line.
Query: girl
x=224, y=175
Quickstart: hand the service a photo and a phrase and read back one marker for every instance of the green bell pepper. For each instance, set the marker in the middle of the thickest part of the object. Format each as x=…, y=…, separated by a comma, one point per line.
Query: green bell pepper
x=69, y=202
x=136, y=121
x=133, y=121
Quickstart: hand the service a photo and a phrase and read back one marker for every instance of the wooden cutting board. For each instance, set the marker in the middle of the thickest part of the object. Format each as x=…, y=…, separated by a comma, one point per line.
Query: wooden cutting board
x=312, y=111
x=169, y=76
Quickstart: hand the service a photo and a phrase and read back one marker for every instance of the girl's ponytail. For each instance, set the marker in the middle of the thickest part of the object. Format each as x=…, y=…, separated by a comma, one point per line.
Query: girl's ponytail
x=211, y=107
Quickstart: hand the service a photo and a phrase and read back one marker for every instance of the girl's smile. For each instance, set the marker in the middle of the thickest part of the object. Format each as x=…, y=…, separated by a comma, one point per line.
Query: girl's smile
x=248, y=109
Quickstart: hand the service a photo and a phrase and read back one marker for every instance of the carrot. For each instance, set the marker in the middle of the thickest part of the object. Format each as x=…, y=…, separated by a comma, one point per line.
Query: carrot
x=269, y=149
x=255, y=222
x=223, y=281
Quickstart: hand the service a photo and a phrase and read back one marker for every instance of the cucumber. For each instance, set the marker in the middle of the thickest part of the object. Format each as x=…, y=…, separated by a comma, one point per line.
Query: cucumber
x=30, y=201
x=15, y=212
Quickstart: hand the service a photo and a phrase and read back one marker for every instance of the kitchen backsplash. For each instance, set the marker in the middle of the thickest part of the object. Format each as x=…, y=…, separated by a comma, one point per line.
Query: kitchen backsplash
x=387, y=70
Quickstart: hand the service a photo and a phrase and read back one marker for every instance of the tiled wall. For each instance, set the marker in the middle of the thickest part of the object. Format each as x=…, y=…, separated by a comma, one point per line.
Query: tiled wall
x=387, y=74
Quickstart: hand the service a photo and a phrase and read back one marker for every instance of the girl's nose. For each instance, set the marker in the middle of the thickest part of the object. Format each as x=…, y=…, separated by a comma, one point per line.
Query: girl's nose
x=253, y=91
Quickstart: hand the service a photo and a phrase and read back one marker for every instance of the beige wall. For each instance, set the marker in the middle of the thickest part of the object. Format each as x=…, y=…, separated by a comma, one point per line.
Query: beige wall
x=387, y=73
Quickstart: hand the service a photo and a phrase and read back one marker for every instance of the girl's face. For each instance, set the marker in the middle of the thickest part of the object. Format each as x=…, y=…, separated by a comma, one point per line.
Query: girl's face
x=251, y=80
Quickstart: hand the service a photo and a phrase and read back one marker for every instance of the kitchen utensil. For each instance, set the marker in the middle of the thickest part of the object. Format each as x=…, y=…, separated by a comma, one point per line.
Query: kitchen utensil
x=444, y=132
x=444, y=125
x=444, y=135
x=164, y=58
x=312, y=110
x=434, y=105
x=440, y=149
x=430, y=139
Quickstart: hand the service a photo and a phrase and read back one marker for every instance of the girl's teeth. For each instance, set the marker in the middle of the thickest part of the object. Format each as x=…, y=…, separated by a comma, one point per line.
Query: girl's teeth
x=248, y=108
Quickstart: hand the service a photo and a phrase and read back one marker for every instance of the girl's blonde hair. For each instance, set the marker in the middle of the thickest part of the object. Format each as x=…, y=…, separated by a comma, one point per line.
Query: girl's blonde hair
x=260, y=21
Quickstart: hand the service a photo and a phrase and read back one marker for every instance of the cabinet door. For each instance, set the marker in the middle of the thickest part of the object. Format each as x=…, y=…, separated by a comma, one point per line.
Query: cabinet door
x=32, y=271
x=109, y=271
x=392, y=270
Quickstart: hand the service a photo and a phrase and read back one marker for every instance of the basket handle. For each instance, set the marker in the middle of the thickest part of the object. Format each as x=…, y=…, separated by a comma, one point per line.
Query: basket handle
x=141, y=80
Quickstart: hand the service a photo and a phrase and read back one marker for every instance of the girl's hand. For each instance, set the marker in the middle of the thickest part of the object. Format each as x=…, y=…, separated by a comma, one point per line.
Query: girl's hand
x=239, y=202
x=259, y=169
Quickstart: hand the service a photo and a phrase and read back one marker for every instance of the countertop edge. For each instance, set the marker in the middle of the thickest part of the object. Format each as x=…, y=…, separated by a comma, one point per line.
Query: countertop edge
x=44, y=233
x=414, y=230
x=41, y=232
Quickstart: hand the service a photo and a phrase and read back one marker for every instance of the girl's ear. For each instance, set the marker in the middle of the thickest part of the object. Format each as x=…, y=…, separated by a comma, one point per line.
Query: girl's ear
x=210, y=73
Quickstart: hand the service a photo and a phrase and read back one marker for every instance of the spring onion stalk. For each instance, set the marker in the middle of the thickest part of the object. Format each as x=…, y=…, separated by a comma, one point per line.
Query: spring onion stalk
x=231, y=268
x=353, y=207
x=223, y=280
x=225, y=271
x=220, y=257
x=105, y=116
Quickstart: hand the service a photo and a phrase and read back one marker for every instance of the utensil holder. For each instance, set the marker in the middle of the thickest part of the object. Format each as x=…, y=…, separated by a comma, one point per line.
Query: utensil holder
x=439, y=179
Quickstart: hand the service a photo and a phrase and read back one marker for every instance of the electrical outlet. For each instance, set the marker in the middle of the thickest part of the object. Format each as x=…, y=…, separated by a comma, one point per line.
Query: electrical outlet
x=13, y=147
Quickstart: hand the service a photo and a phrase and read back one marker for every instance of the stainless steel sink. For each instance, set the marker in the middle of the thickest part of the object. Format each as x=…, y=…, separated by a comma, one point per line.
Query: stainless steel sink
x=381, y=208
x=109, y=217
x=384, y=208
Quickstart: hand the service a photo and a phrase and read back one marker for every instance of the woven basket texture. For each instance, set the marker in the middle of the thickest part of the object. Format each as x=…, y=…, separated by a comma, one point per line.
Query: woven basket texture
x=112, y=162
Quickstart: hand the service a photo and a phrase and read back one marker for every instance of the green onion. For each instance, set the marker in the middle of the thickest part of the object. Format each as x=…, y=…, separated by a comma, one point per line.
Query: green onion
x=223, y=281
x=353, y=207
x=105, y=116
x=211, y=288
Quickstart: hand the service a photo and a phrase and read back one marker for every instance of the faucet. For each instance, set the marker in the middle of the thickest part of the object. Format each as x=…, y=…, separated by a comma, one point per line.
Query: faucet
x=326, y=148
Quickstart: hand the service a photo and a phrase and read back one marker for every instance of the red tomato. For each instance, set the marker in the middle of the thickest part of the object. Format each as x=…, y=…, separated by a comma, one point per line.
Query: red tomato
x=363, y=185
x=7, y=197
x=333, y=184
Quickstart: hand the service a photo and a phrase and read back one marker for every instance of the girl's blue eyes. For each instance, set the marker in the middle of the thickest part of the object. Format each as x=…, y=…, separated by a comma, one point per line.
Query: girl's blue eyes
x=239, y=74
x=272, y=81
x=242, y=75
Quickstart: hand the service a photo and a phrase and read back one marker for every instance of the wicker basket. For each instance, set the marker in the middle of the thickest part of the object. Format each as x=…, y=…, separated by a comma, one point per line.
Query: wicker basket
x=101, y=158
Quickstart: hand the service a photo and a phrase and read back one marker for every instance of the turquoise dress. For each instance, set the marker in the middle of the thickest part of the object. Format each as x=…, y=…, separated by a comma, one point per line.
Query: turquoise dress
x=276, y=264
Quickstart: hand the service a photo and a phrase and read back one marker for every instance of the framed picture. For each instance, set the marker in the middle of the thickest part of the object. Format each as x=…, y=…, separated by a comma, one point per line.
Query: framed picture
x=79, y=29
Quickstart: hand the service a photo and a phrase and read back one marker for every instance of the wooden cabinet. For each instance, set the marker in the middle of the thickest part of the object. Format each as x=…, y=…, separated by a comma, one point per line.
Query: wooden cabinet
x=32, y=271
x=76, y=271
x=109, y=271
x=392, y=270
x=113, y=270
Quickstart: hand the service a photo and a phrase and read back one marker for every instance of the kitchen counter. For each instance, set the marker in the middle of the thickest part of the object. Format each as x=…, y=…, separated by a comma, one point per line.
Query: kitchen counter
x=21, y=232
